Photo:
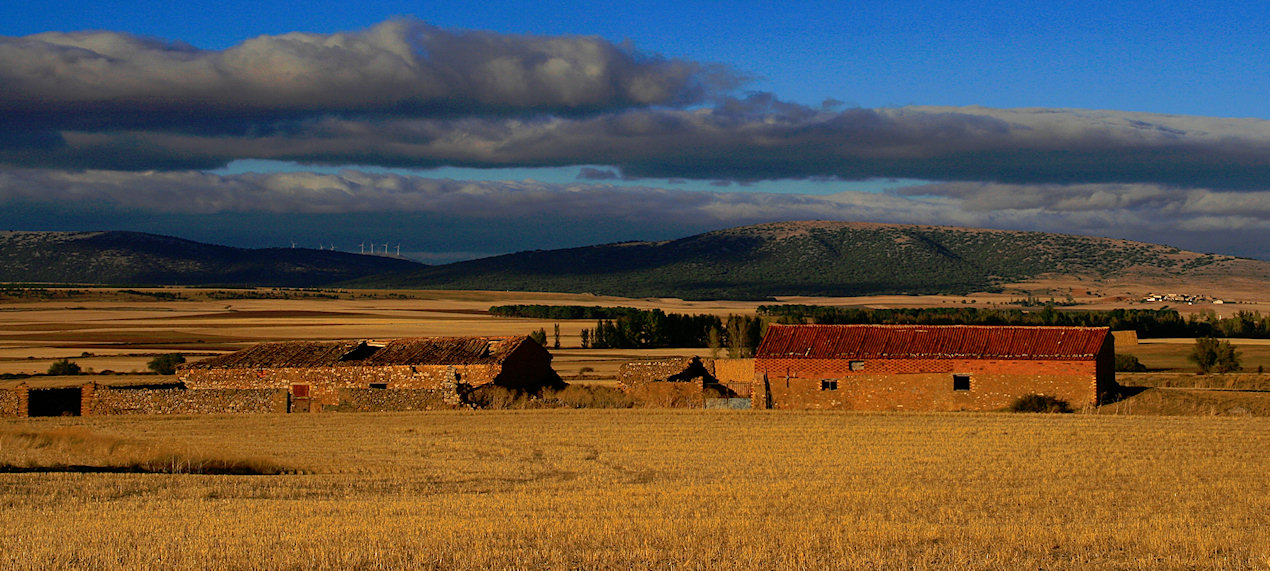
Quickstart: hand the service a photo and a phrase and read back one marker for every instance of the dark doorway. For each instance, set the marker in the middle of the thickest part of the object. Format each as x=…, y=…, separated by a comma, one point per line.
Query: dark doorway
x=54, y=402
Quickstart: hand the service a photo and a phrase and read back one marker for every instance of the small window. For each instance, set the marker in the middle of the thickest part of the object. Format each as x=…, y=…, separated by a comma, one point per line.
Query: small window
x=856, y=365
x=961, y=382
x=827, y=385
x=379, y=385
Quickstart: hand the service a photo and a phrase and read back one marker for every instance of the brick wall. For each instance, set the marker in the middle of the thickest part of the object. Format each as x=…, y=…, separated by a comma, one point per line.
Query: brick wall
x=389, y=400
x=13, y=402
x=102, y=400
x=918, y=384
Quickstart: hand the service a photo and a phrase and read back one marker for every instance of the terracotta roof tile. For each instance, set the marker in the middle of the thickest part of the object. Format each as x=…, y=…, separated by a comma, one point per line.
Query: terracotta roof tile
x=355, y=353
x=931, y=342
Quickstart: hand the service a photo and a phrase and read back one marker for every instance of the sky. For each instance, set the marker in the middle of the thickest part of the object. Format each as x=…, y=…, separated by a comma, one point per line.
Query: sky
x=460, y=130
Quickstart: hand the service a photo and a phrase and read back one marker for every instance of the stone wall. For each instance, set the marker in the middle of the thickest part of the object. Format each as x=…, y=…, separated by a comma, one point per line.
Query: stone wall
x=13, y=401
x=918, y=384
x=635, y=373
x=105, y=400
x=325, y=382
x=391, y=400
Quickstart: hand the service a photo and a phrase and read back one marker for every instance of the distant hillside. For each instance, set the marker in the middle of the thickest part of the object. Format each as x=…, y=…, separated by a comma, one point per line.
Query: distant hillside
x=818, y=259
x=134, y=258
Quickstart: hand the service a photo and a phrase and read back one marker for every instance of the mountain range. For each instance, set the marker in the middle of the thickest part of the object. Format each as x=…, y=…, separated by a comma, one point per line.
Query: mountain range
x=814, y=258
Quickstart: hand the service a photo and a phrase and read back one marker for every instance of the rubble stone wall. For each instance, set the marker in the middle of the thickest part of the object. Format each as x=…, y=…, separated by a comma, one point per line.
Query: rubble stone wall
x=391, y=400
x=13, y=402
x=105, y=400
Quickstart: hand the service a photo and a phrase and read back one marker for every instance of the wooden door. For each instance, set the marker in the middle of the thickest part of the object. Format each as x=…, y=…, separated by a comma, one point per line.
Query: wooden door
x=300, y=399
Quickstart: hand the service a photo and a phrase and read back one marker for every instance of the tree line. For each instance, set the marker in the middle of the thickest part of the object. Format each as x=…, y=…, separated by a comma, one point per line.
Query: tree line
x=632, y=328
x=1147, y=322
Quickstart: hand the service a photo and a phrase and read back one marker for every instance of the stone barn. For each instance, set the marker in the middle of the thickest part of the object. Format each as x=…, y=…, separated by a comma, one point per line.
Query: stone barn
x=432, y=372
x=930, y=367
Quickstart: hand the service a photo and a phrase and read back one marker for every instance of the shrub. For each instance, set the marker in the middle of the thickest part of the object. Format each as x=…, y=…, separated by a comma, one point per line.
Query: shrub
x=540, y=336
x=1213, y=356
x=1039, y=403
x=166, y=364
x=1128, y=364
x=63, y=367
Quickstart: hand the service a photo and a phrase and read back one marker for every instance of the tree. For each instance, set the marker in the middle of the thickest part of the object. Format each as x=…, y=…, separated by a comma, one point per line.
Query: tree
x=63, y=367
x=540, y=336
x=166, y=363
x=556, y=345
x=1214, y=356
x=1129, y=363
x=586, y=338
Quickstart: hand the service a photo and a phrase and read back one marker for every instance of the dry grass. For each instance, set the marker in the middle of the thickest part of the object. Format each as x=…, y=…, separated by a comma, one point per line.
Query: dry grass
x=642, y=489
x=76, y=449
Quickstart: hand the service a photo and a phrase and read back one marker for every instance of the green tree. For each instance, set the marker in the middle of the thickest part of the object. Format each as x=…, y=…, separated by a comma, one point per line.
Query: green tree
x=540, y=336
x=166, y=363
x=63, y=367
x=556, y=345
x=1214, y=356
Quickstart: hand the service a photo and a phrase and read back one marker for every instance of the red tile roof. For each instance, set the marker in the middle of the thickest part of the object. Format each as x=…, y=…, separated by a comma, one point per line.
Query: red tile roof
x=931, y=342
x=357, y=353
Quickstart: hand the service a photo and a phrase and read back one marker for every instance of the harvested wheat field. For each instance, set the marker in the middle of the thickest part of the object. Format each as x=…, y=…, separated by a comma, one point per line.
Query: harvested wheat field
x=638, y=489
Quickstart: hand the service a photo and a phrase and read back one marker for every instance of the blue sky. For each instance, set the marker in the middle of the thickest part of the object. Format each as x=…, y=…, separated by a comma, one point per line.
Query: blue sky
x=1142, y=120
x=1194, y=58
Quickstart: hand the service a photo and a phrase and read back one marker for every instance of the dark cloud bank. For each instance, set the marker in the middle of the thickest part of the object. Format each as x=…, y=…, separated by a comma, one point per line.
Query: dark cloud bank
x=109, y=108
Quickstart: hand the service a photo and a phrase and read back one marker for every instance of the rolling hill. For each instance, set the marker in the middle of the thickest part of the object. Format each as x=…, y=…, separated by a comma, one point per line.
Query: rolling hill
x=752, y=262
x=820, y=259
x=135, y=258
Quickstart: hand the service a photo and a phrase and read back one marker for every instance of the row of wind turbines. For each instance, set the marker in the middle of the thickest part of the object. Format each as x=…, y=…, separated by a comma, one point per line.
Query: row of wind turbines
x=362, y=248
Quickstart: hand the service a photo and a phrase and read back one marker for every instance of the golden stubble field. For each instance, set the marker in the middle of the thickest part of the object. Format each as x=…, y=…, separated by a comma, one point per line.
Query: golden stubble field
x=108, y=330
x=636, y=489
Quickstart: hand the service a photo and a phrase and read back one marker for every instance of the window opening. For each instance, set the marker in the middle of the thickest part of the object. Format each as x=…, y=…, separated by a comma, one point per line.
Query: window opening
x=961, y=382
x=828, y=385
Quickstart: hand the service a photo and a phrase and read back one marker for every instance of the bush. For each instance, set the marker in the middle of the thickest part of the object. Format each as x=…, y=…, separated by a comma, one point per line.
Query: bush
x=63, y=367
x=166, y=364
x=1128, y=364
x=1039, y=403
x=1213, y=356
x=540, y=336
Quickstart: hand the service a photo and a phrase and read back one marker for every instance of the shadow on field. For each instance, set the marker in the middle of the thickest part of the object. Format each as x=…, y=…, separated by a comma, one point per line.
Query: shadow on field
x=77, y=450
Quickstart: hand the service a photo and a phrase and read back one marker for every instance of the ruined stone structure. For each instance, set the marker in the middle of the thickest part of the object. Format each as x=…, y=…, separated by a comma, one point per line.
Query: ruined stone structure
x=314, y=372
x=929, y=367
x=685, y=382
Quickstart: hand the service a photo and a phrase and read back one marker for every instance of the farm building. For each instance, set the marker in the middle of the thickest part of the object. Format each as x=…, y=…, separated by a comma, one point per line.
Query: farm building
x=436, y=370
x=928, y=367
x=688, y=382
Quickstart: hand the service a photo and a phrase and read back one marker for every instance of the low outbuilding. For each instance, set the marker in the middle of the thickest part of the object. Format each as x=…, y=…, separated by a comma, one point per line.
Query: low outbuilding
x=317, y=373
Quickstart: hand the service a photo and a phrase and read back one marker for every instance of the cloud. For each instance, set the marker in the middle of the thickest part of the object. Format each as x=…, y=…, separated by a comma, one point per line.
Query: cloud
x=757, y=138
x=1180, y=216
x=403, y=67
